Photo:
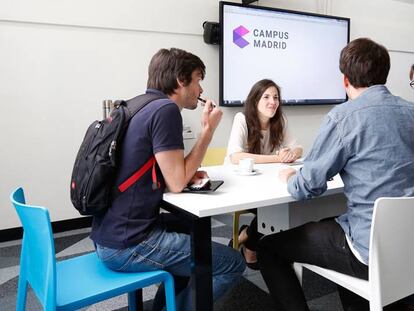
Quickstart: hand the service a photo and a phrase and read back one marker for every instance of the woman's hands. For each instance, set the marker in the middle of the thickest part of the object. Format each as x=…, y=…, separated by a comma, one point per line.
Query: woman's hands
x=286, y=155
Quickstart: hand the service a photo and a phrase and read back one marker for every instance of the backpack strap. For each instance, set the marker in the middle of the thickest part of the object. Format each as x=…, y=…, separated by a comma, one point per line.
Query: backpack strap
x=138, y=174
x=133, y=106
x=137, y=103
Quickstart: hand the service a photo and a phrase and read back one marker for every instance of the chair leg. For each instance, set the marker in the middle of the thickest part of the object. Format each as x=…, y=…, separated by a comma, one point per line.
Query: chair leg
x=236, y=216
x=21, y=294
x=299, y=271
x=236, y=224
x=169, y=293
x=135, y=302
x=375, y=304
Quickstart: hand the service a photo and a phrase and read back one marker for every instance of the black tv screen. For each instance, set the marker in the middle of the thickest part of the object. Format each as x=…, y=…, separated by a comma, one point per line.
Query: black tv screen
x=297, y=50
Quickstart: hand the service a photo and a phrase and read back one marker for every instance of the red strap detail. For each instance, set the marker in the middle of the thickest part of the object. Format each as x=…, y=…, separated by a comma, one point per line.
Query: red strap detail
x=154, y=177
x=137, y=175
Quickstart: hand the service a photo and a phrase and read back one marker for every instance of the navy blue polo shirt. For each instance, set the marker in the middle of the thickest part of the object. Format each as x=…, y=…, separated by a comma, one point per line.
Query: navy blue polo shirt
x=157, y=127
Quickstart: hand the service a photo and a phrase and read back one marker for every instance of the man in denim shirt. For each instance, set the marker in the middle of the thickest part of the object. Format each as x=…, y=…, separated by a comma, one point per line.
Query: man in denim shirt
x=369, y=142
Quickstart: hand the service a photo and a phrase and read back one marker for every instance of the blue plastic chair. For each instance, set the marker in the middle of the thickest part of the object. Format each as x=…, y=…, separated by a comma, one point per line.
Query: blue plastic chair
x=76, y=282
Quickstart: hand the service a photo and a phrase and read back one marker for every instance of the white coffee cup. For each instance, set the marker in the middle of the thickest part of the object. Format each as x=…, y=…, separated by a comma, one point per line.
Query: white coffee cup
x=246, y=165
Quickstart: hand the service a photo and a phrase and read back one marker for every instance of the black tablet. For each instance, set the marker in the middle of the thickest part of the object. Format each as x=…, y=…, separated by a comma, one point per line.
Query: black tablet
x=211, y=186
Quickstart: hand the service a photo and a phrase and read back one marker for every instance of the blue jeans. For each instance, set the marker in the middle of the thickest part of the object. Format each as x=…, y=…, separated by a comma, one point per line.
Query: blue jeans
x=171, y=251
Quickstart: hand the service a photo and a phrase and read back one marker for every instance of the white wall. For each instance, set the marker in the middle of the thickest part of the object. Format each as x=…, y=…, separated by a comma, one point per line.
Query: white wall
x=60, y=59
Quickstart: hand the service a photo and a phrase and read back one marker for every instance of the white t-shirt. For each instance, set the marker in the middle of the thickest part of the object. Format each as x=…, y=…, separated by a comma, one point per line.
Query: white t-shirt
x=238, y=139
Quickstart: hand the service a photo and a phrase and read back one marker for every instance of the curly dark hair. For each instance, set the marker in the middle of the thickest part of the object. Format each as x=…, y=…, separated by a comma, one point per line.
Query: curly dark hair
x=277, y=122
x=167, y=66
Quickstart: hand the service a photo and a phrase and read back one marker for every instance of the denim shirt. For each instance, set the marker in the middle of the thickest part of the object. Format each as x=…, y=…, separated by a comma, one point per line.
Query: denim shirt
x=369, y=141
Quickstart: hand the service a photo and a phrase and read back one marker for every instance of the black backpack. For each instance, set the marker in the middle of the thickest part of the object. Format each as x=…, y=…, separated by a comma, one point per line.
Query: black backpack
x=92, y=186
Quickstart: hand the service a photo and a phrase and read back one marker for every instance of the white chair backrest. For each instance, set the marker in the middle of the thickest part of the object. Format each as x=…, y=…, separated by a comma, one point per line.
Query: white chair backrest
x=391, y=262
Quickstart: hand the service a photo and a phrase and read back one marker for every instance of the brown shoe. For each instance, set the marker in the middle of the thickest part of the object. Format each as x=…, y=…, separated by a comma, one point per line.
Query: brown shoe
x=252, y=265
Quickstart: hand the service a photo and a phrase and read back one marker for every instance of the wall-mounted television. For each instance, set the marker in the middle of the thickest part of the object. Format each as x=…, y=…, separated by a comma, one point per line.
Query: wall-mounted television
x=299, y=51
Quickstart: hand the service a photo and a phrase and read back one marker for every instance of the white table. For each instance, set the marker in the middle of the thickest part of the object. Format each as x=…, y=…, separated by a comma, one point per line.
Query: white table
x=238, y=192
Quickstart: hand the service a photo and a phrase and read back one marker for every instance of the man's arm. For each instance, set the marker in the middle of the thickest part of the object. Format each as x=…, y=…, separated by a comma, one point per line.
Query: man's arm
x=177, y=170
x=327, y=157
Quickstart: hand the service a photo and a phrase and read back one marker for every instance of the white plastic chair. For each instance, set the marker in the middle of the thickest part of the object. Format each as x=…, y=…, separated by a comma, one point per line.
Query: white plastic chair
x=391, y=256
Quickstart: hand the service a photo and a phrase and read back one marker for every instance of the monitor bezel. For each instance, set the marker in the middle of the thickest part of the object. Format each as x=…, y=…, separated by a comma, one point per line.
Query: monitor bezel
x=221, y=82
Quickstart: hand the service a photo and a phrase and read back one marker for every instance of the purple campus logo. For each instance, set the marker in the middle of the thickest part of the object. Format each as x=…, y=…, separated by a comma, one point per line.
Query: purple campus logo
x=238, y=34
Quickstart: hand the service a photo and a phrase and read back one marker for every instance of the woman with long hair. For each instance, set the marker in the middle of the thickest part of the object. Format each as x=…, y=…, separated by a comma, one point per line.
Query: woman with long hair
x=260, y=133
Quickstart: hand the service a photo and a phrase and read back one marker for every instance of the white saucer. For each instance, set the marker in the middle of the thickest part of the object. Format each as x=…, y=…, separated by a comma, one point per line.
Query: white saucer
x=243, y=173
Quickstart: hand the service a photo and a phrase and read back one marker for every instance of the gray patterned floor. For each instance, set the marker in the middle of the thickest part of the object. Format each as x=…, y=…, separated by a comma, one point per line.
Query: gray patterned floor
x=249, y=294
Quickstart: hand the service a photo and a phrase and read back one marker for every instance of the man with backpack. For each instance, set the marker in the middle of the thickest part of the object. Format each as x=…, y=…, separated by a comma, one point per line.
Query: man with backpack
x=132, y=235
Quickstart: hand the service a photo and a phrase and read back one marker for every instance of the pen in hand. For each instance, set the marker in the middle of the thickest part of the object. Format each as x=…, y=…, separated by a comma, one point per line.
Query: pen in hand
x=204, y=102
